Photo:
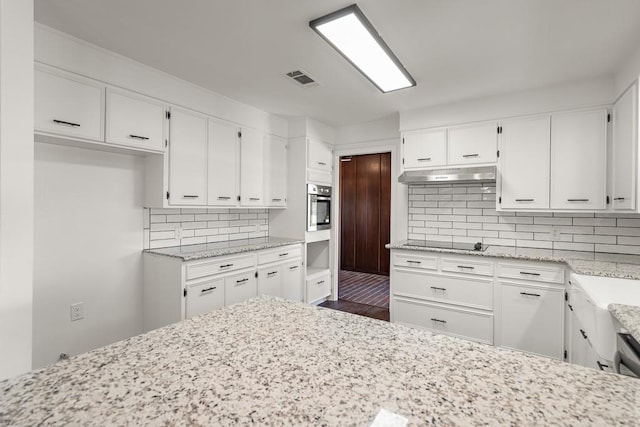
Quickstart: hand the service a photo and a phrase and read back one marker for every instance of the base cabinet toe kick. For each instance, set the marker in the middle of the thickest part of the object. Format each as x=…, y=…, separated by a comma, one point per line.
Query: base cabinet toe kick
x=512, y=304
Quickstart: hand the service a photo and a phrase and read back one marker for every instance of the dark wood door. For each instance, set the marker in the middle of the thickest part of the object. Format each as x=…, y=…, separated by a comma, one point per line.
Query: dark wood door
x=365, y=206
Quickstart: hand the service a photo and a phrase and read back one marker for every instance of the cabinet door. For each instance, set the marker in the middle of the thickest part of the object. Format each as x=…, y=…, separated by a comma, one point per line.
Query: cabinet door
x=578, y=160
x=224, y=164
x=476, y=144
x=252, y=168
x=270, y=281
x=276, y=171
x=524, y=163
x=424, y=149
x=318, y=288
x=292, y=280
x=625, y=141
x=135, y=121
x=532, y=319
x=187, y=158
x=69, y=107
x=204, y=297
x=240, y=287
x=319, y=156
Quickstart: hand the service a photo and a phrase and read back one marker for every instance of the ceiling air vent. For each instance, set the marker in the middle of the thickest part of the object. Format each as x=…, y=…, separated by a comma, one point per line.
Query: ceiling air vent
x=302, y=78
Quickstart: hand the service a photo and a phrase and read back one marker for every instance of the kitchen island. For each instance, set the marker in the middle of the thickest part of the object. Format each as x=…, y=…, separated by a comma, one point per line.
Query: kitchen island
x=270, y=361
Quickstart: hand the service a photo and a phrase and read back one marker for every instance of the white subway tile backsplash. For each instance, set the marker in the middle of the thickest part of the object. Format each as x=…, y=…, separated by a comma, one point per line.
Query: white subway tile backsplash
x=206, y=225
x=466, y=213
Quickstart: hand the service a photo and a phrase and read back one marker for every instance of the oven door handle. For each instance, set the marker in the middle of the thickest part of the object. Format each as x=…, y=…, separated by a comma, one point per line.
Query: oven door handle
x=622, y=359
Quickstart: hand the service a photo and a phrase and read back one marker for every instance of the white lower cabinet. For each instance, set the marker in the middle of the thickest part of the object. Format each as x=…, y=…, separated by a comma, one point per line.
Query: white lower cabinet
x=318, y=287
x=174, y=290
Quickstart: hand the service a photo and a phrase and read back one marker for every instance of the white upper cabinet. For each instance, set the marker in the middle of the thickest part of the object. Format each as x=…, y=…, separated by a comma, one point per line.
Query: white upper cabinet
x=524, y=163
x=135, y=121
x=578, y=160
x=252, y=168
x=624, y=150
x=319, y=156
x=276, y=171
x=69, y=106
x=475, y=144
x=424, y=149
x=187, y=158
x=224, y=164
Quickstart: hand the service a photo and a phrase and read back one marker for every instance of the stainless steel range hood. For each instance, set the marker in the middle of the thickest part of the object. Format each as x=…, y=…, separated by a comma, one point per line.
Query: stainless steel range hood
x=457, y=175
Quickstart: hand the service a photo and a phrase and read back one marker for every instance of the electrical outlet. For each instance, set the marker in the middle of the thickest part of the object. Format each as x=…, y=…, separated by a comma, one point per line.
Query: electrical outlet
x=77, y=311
x=555, y=233
x=178, y=233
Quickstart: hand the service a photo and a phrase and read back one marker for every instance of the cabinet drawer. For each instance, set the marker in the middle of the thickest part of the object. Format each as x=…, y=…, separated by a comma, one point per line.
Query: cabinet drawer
x=532, y=319
x=404, y=259
x=134, y=121
x=204, y=297
x=318, y=288
x=464, y=265
x=207, y=268
x=280, y=254
x=240, y=287
x=532, y=272
x=469, y=292
x=461, y=323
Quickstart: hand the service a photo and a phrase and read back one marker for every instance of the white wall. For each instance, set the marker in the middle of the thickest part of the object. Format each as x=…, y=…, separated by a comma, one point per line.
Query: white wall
x=72, y=54
x=562, y=97
x=627, y=73
x=377, y=130
x=88, y=248
x=16, y=185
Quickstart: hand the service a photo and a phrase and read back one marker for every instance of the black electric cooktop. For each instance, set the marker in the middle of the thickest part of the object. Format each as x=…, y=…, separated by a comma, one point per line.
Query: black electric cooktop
x=478, y=247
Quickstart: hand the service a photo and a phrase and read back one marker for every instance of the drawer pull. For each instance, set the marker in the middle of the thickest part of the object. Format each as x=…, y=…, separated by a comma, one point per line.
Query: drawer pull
x=322, y=163
x=141, y=138
x=577, y=200
x=570, y=307
x=62, y=122
x=294, y=267
x=208, y=289
x=618, y=199
x=466, y=267
x=284, y=254
x=320, y=282
x=525, y=200
x=438, y=320
x=190, y=196
x=425, y=159
x=226, y=266
x=255, y=199
x=470, y=155
x=529, y=274
x=242, y=281
x=601, y=365
x=413, y=262
x=224, y=198
x=276, y=200
x=529, y=294
x=584, y=334
x=271, y=273
x=438, y=289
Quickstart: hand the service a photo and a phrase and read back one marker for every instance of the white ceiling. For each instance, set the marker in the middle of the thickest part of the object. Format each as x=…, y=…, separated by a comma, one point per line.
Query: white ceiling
x=455, y=49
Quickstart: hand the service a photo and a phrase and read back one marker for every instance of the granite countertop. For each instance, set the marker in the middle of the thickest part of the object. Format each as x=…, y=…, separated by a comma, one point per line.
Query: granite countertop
x=588, y=263
x=271, y=361
x=210, y=250
x=629, y=318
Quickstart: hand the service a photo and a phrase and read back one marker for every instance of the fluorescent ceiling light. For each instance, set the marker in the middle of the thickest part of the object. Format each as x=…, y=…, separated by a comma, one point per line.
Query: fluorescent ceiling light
x=351, y=34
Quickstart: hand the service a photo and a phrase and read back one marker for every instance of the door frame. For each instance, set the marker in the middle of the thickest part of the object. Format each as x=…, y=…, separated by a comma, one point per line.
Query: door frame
x=399, y=196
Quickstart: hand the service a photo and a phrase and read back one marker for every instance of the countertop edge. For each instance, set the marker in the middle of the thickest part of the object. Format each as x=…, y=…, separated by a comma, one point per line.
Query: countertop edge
x=629, y=318
x=214, y=253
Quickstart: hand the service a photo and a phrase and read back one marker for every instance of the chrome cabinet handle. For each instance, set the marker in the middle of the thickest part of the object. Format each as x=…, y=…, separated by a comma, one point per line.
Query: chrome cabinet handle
x=466, y=266
x=529, y=274
x=142, y=138
x=601, y=365
x=62, y=122
x=271, y=273
x=254, y=198
x=470, y=155
x=294, y=267
x=284, y=254
x=208, y=289
x=618, y=198
x=570, y=307
x=529, y=294
x=322, y=163
x=320, y=282
x=224, y=198
x=242, y=281
x=190, y=196
x=577, y=200
x=226, y=266
x=413, y=262
x=276, y=200
x=525, y=200
x=584, y=334
x=438, y=289
x=438, y=320
x=425, y=159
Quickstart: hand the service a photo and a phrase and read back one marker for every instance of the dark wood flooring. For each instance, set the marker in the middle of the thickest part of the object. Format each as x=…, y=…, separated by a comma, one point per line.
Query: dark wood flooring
x=364, y=288
x=360, y=309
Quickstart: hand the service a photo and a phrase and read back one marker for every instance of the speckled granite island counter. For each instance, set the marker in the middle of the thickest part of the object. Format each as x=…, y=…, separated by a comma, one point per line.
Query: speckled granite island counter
x=210, y=250
x=588, y=263
x=629, y=318
x=268, y=361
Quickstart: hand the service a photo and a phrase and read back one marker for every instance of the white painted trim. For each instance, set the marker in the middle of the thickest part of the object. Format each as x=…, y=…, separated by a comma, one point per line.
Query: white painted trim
x=399, y=198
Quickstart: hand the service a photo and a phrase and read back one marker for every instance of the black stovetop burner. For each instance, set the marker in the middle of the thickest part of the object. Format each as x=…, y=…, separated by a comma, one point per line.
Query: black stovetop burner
x=477, y=247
